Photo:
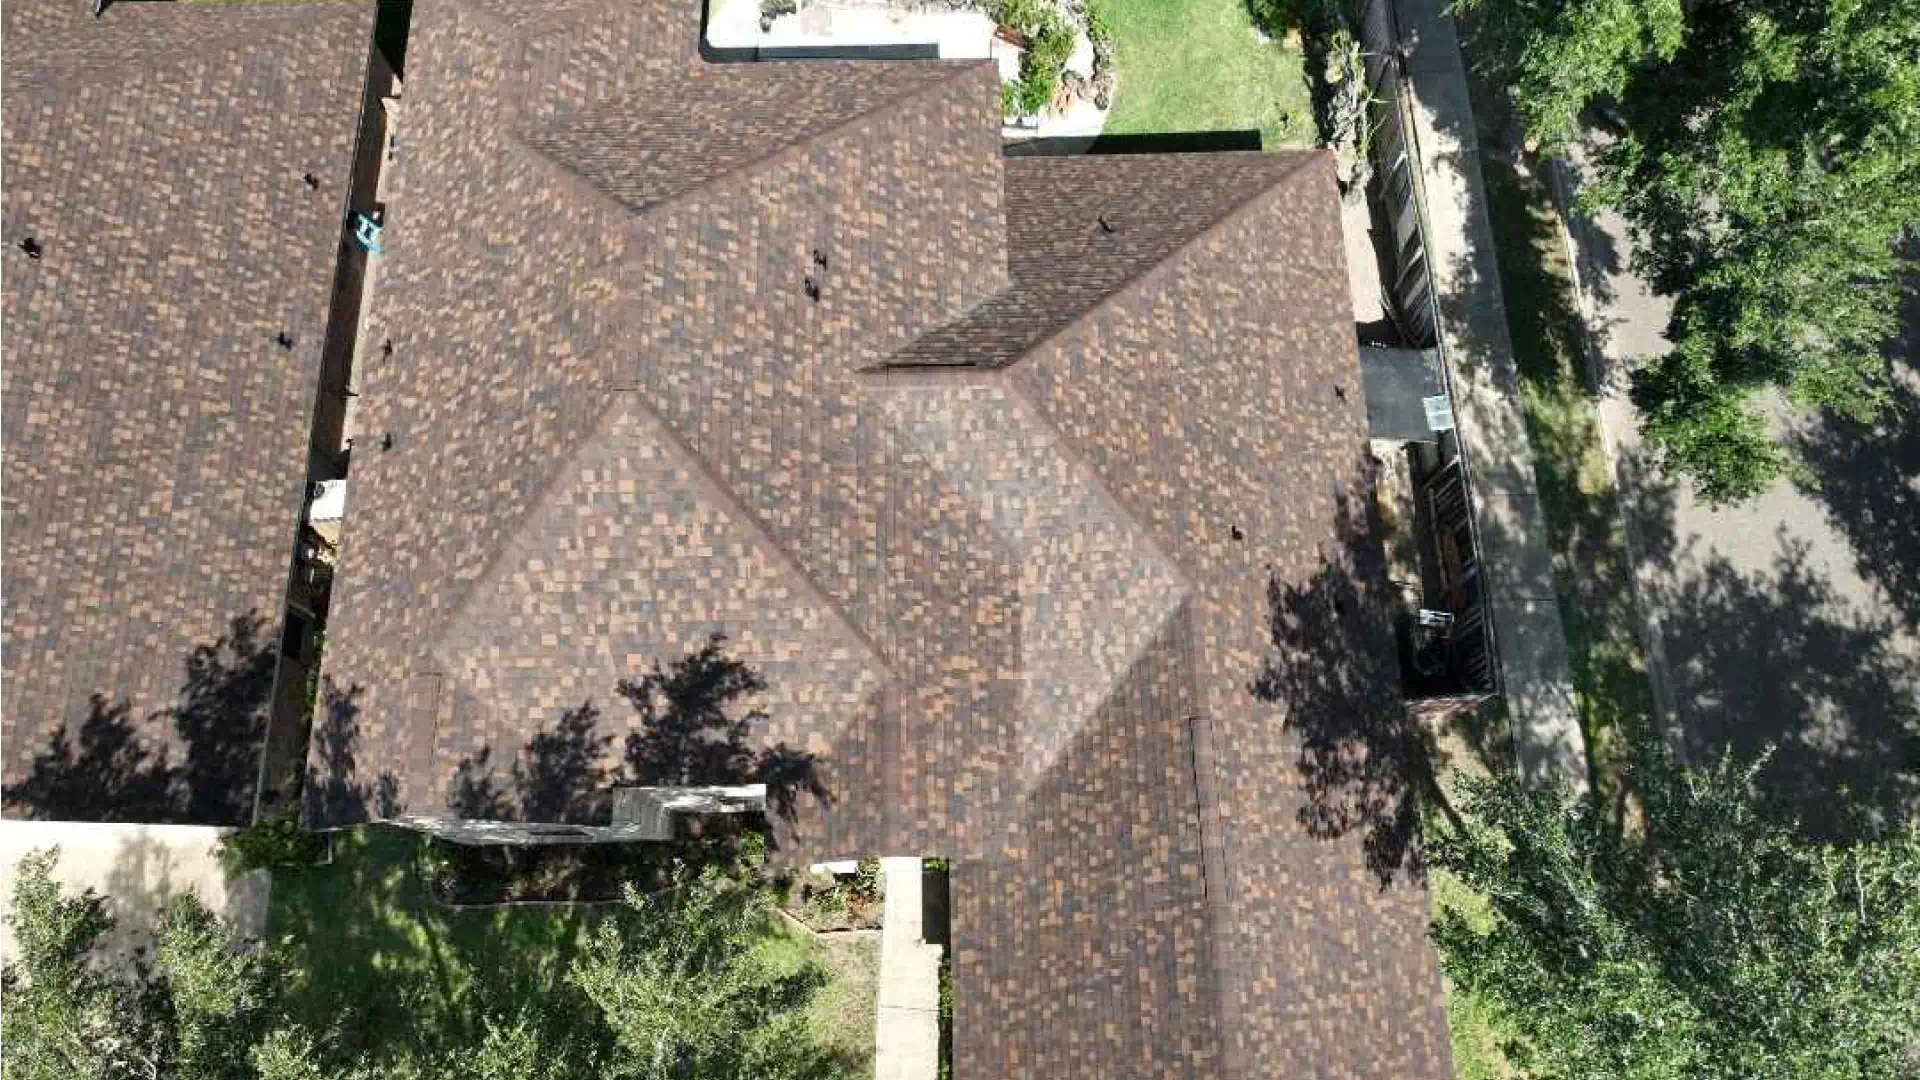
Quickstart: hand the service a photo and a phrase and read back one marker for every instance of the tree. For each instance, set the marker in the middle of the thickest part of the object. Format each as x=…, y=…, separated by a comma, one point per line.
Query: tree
x=195, y=1012
x=1707, y=941
x=61, y=1015
x=1768, y=161
x=688, y=991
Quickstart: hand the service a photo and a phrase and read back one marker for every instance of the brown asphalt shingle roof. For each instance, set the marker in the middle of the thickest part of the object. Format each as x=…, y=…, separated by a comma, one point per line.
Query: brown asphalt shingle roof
x=995, y=516
x=156, y=433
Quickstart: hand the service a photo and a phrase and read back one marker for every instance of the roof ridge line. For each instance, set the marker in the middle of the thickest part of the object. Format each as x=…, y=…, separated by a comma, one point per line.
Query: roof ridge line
x=568, y=176
x=780, y=154
x=549, y=485
x=613, y=399
x=1299, y=159
x=1097, y=482
x=908, y=376
x=634, y=397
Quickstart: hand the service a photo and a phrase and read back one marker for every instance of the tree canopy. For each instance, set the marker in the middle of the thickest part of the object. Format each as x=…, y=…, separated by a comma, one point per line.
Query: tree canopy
x=194, y=1010
x=1705, y=940
x=1767, y=162
x=670, y=985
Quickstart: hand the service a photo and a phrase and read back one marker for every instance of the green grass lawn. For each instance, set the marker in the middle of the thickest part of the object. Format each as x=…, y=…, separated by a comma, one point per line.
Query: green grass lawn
x=1196, y=65
x=1476, y=1042
x=843, y=1013
x=377, y=963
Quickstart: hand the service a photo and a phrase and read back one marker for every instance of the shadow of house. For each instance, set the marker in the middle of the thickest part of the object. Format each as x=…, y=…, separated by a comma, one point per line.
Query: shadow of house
x=1365, y=760
x=196, y=761
x=696, y=729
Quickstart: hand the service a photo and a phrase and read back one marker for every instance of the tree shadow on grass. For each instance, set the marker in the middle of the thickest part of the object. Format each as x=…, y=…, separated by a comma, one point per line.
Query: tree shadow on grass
x=381, y=968
x=697, y=728
x=1366, y=762
x=195, y=761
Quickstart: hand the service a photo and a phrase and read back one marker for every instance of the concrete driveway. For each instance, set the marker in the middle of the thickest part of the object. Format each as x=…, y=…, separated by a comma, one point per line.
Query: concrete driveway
x=1794, y=619
x=140, y=867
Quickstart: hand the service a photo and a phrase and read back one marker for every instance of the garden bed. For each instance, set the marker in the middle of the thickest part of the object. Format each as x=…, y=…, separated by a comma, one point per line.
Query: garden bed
x=825, y=903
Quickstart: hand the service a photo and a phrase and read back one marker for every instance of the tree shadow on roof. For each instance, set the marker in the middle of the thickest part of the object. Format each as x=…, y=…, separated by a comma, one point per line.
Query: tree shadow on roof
x=330, y=792
x=116, y=767
x=1366, y=762
x=696, y=728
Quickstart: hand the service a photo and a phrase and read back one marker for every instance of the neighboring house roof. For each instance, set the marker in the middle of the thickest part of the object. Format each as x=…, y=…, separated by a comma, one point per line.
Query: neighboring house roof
x=996, y=516
x=156, y=432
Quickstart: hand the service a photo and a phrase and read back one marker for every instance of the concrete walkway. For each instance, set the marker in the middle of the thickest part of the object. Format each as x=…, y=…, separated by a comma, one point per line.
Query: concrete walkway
x=907, y=1030
x=1486, y=391
x=140, y=867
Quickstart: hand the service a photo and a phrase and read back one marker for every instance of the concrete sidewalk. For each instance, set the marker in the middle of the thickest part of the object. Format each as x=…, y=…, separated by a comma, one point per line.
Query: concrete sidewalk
x=1538, y=681
x=907, y=1029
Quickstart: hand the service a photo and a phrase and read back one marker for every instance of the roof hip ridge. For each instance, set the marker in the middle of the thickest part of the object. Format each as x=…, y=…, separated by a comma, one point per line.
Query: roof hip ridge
x=970, y=376
x=1296, y=161
x=613, y=401
x=957, y=69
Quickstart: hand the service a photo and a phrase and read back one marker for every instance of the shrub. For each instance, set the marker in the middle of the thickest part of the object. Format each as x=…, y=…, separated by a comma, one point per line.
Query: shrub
x=1049, y=45
x=1010, y=99
x=866, y=880
x=270, y=845
x=1034, y=91
x=753, y=850
x=830, y=902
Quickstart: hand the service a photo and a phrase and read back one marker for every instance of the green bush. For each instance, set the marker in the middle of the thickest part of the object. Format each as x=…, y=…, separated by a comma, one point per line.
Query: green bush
x=866, y=880
x=1277, y=17
x=1035, y=91
x=1049, y=44
x=270, y=845
x=753, y=851
x=830, y=902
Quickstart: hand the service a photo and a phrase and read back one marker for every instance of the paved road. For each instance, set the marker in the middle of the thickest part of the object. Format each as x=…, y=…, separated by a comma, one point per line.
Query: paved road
x=1794, y=619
